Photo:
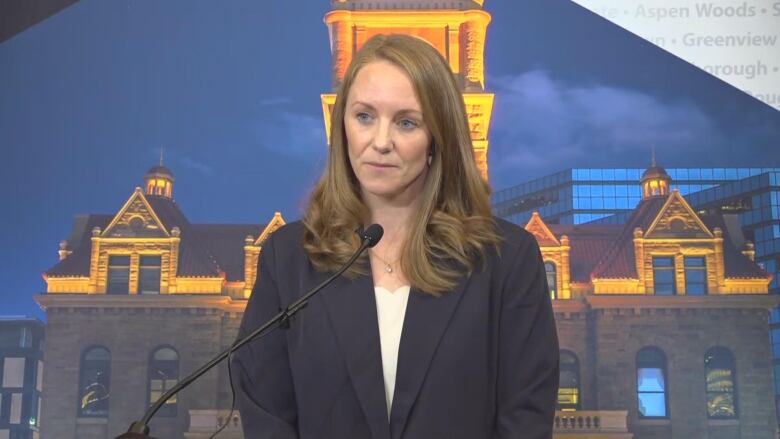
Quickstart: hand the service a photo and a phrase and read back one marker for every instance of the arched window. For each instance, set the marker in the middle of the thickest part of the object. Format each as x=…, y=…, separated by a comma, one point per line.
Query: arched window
x=720, y=381
x=94, y=382
x=569, y=382
x=552, y=279
x=651, y=385
x=163, y=375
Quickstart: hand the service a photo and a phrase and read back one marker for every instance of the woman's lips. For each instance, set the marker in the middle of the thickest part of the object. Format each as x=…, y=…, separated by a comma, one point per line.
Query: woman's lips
x=379, y=165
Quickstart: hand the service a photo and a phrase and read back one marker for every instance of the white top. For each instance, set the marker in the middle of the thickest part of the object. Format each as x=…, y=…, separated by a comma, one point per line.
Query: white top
x=390, y=311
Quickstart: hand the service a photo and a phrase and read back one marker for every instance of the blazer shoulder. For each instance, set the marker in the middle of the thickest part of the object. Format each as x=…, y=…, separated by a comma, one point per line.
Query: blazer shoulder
x=290, y=232
x=512, y=236
x=287, y=241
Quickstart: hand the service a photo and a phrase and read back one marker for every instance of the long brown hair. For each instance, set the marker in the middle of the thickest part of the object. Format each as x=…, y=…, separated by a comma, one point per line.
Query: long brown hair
x=454, y=223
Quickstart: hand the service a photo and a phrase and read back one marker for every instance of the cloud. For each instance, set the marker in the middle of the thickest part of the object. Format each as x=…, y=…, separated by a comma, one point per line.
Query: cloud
x=541, y=125
x=294, y=134
x=196, y=165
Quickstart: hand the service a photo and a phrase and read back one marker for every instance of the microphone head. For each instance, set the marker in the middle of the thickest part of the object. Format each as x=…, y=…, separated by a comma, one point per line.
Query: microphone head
x=373, y=234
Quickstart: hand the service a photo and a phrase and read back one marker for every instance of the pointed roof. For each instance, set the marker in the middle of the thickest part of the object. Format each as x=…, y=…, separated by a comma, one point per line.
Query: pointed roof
x=670, y=222
x=137, y=206
x=544, y=236
x=619, y=261
x=588, y=243
x=737, y=265
x=80, y=243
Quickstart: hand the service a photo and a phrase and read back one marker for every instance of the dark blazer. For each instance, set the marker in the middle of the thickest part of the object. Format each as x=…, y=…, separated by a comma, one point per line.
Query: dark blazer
x=481, y=361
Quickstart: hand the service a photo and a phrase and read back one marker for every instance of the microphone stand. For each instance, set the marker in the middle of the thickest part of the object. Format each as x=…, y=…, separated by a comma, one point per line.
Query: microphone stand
x=140, y=429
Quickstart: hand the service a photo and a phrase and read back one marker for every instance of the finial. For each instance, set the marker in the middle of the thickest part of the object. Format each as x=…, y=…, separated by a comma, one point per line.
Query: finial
x=161, y=156
x=653, y=154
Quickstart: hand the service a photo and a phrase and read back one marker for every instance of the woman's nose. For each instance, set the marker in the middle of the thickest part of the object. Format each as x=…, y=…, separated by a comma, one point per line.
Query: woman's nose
x=383, y=141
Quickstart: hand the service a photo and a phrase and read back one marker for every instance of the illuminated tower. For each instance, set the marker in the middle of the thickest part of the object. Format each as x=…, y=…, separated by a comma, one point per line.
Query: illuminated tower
x=455, y=28
x=655, y=181
x=159, y=181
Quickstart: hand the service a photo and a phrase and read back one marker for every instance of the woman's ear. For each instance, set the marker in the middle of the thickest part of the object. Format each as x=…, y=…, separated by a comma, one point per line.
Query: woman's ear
x=430, y=153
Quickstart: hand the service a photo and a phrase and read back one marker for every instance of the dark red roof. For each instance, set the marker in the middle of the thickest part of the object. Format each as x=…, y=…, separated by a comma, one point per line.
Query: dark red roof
x=607, y=251
x=619, y=261
x=737, y=265
x=588, y=243
x=80, y=243
x=225, y=243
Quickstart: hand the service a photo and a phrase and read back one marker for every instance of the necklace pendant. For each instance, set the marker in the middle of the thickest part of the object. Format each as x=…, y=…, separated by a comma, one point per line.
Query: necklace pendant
x=388, y=268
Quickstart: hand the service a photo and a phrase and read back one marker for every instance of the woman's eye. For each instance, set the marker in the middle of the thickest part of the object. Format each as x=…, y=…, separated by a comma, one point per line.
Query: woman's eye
x=407, y=124
x=363, y=117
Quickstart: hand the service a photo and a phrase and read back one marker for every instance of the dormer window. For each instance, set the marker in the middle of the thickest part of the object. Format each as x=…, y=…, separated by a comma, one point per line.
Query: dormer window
x=663, y=276
x=695, y=275
x=149, y=274
x=118, y=274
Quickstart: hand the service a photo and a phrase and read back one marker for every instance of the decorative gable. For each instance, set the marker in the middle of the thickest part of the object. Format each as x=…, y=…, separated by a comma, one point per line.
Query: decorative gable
x=544, y=236
x=252, y=249
x=677, y=220
x=136, y=219
x=276, y=222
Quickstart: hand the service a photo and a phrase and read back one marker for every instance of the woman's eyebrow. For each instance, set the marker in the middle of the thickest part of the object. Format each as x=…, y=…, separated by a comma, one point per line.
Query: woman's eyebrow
x=404, y=111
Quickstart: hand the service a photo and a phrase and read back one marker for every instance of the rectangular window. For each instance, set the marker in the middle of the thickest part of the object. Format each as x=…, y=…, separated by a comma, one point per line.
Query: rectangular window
x=39, y=377
x=695, y=275
x=663, y=275
x=13, y=372
x=16, y=409
x=149, y=275
x=118, y=274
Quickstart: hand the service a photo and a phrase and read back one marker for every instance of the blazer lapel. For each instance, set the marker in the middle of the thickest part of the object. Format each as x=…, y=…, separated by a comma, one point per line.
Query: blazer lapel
x=426, y=319
x=351, y=308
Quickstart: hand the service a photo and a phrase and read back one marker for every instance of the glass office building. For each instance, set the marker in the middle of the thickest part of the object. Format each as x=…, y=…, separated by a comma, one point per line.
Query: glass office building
x=607, y=196
x=21, y=367
x=582, y=195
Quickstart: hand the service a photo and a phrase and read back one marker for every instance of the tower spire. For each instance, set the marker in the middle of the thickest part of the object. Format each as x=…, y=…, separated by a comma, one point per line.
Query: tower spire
x=161, y=156
x=655, y=181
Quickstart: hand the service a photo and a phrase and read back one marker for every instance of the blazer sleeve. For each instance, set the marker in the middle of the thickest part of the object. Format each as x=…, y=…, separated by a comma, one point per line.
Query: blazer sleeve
x=528, y=347
x=261, y=372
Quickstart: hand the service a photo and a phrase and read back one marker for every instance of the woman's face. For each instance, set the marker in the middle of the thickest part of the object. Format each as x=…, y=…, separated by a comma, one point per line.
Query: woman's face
x=387, y=140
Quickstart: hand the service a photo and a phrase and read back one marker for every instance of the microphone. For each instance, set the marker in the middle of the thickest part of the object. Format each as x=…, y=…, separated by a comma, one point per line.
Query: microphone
x=373, y=234
x=140, y=429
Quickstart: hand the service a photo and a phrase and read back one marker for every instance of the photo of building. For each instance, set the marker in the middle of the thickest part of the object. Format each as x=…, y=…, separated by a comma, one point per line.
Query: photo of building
x=662, y=284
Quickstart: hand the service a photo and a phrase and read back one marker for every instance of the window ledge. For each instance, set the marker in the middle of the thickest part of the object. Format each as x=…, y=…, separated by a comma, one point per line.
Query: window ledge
x=88, y=421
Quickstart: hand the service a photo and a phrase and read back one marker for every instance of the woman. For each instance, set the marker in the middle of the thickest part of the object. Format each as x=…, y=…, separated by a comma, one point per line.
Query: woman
x=445, y=329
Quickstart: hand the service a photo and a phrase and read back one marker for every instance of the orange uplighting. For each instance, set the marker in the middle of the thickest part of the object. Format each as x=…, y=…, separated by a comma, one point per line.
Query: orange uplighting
x=458, y=35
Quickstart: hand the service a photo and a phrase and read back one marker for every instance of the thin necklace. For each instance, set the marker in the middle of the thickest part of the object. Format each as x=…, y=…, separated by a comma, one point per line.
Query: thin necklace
x=388, y=266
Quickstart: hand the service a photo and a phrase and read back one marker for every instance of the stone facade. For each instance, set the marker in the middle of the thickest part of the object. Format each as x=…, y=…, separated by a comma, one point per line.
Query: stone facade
x=131, y=332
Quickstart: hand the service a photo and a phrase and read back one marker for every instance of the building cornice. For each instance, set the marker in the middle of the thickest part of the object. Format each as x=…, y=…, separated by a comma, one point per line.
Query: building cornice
x=168, y=301
x=713, y=301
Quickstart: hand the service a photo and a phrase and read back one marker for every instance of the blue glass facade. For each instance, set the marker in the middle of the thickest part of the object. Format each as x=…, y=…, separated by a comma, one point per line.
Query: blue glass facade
x=582, y=195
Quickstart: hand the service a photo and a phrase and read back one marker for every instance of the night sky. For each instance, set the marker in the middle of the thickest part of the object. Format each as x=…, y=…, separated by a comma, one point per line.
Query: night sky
x=231, y=91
